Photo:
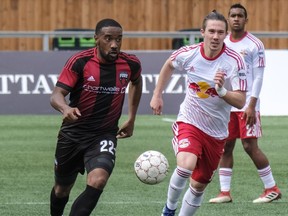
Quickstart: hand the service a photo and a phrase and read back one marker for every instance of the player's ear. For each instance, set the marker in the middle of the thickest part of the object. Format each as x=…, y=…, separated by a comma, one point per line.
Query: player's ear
x=202, y=32
x=96, y=39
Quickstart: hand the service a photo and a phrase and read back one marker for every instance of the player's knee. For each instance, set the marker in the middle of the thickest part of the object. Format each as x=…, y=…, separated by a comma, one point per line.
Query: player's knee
x=98, y=178
x=197, y=185
x=62, y=191
x=99, y=169
x=249, y=149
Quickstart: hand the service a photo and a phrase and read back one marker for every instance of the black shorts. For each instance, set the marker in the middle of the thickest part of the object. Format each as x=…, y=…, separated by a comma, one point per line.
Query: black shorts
x=72, y=157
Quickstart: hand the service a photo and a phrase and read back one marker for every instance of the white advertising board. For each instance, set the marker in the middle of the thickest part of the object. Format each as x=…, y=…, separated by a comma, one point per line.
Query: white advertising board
x=274, y=100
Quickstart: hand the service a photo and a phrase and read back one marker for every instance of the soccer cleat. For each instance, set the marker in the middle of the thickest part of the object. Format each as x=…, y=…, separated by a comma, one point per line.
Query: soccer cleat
x=168, y=212
x=223, y=197
x=269, y=195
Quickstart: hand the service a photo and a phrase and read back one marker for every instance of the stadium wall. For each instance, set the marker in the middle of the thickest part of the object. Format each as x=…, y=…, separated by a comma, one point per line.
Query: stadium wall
x=134, y=15
x=27, y=80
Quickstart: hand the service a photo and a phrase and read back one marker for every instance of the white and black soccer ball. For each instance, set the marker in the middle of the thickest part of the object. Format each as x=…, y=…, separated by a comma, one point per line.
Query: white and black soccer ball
x=151, y=167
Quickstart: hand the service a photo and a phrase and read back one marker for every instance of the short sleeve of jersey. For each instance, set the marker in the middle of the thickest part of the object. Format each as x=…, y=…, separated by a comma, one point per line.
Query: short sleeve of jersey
x=67, y=79
x=178, y=61
x=73, y=69
x=136, y=71
x=181, y=56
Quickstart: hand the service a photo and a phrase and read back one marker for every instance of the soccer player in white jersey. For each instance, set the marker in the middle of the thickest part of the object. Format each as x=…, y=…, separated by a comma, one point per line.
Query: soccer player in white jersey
x=216, y=80
x=245, y=123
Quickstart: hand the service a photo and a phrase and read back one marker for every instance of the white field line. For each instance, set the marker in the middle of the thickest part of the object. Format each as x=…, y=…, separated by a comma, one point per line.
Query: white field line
x=168, y=120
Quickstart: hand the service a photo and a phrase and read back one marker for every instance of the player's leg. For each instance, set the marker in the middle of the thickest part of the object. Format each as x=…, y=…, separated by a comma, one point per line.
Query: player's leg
x=59, y=197
x=251, y=147
x=271, y=191
x=211, y=151
x=88, y=199
x=99, y=163
x=249, y=137
x=66, y=169
x=186, y=161
x=193, y=198
x=225, y=174
x=227, y=162
x=225, y=170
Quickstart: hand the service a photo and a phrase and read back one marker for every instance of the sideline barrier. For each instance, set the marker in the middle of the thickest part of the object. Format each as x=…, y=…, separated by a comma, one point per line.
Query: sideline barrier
x=27, y=80
x=47, y=35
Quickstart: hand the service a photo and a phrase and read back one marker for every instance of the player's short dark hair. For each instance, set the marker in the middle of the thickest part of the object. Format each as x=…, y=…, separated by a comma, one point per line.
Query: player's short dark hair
x=214, y=15
x=238, y=5
x=106, y=23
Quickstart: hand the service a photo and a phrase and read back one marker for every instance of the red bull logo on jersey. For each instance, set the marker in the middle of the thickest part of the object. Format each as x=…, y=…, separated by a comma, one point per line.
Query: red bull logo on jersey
x=203, y=89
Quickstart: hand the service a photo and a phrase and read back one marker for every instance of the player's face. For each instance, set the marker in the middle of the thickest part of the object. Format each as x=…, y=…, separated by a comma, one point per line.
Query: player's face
x=214, y=35
x=237, y=20
x=108, y=42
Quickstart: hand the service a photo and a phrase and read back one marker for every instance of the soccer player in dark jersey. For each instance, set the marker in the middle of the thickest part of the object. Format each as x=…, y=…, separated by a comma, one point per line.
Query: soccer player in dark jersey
x=96, y=80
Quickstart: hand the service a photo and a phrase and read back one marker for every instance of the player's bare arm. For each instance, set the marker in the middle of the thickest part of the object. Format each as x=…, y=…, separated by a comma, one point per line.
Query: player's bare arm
x=156, y=102
x=234, y=98
x=58, y=102
x=135, y=92
x=134, y=96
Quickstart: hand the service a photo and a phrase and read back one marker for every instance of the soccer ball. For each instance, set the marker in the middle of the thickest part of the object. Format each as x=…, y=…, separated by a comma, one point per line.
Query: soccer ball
x=151, y=167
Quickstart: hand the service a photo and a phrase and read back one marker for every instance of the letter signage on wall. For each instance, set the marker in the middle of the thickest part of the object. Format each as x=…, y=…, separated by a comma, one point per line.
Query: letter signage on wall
x=27, y=80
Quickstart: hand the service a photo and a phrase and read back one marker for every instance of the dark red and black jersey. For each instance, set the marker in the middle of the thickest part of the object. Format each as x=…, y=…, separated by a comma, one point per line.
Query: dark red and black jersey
x=97, y=90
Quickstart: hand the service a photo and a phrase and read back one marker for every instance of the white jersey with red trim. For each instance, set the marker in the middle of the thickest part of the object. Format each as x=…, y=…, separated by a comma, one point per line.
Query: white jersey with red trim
x=202, y=107
x=253, y=52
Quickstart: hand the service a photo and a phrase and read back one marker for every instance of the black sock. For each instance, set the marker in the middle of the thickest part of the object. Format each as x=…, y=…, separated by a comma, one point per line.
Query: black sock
x=57, y=205
x=85, y=202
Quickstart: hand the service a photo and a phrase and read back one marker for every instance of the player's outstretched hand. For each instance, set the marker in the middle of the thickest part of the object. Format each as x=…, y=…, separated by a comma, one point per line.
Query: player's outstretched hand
x=126, y=130
x=250, y=116
x=156, y=105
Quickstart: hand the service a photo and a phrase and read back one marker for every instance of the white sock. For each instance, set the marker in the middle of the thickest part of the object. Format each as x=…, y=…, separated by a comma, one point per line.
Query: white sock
x=267, y=177
x=191, y=202
x=177, y=184
x=225, y=177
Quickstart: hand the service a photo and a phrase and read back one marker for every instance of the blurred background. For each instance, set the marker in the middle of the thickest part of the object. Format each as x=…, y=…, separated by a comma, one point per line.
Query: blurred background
x=133, y=15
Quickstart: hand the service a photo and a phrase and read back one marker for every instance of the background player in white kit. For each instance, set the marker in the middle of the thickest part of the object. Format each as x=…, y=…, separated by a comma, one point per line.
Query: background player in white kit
x=216, y=77
x=245, y=123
